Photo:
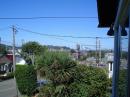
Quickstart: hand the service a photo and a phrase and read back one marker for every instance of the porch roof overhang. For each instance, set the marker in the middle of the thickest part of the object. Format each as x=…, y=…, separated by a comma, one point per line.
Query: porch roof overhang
x=111, y=12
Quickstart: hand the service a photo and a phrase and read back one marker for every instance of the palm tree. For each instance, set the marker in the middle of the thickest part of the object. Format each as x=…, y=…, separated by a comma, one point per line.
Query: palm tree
x=59, y=70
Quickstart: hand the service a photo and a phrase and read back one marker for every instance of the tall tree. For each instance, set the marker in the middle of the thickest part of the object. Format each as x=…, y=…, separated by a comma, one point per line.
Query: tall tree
x=3, y=49
x=59, y=69
x=31, y=49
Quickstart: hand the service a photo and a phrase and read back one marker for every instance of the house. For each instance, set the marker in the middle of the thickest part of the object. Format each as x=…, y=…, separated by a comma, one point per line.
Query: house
x=19, y=59
x=6, y=64
x=109, y=61
x=115, y=14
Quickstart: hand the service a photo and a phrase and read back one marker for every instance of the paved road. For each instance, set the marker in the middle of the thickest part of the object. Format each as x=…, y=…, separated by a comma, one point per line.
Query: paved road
x=8, y=88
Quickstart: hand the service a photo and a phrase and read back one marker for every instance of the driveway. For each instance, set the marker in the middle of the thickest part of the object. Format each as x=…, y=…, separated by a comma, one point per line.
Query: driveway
x=8, y=88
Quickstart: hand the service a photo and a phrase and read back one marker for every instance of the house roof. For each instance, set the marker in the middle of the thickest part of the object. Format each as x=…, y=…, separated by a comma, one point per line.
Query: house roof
x=10, y=57
x=107, y=10
x=6, y=59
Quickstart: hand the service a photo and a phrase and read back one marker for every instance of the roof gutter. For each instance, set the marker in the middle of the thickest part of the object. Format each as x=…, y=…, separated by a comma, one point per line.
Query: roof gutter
x=122, y=13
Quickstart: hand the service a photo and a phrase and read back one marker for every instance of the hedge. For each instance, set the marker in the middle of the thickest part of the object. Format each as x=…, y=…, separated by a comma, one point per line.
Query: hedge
x=26, y=79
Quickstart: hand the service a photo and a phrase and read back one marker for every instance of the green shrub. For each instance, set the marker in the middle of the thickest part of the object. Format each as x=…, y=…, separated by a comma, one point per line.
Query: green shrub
x=67, y=79
x=90, y=82
x=26, y=79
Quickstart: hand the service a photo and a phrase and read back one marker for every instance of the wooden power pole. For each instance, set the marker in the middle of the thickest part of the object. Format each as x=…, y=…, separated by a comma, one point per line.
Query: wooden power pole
x=14, y=60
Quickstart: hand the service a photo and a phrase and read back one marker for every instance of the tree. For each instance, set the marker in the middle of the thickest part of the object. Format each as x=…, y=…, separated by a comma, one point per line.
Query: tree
x=68, y=79
x=59, y=69
x=3, y=49
x=31, y=49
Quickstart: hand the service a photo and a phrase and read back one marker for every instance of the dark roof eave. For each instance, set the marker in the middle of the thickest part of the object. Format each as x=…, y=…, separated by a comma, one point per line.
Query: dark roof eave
x=107, y=10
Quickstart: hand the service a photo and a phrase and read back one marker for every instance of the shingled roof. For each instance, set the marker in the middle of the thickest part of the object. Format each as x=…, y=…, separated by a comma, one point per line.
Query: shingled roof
x=6, y=59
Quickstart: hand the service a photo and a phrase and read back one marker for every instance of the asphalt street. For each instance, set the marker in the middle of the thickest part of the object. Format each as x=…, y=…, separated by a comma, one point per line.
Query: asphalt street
x=8, y=88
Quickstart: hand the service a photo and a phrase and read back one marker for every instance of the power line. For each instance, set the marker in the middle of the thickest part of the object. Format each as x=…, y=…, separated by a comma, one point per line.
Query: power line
x=61, y=35
x=56, y=36
x=44, y=35
x=48, y=17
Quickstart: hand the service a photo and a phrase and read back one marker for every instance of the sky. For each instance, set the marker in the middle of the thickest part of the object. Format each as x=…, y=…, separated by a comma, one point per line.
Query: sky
x=54, y=26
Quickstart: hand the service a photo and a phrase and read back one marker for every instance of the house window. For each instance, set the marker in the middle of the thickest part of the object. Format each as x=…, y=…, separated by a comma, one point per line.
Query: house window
x=110, y=66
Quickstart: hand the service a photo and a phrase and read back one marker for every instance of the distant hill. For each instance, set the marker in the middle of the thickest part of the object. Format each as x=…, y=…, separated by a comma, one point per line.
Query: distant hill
x=9, y=47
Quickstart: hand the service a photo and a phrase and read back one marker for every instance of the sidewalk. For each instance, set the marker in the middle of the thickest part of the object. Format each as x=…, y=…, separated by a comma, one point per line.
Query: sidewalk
x=8, y=88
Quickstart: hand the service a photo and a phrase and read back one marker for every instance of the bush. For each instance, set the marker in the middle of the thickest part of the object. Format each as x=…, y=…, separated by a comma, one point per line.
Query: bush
x=26, y=79
x=90, y=82
x=67, y=79
x=57, y=67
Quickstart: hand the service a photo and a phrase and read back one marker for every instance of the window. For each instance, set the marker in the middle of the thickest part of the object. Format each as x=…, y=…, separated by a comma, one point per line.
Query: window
x=111, y=66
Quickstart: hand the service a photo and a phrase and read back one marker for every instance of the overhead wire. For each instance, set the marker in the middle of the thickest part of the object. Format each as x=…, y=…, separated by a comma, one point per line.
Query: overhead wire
x=61, y=35
x=48, y=17
x=56, y=37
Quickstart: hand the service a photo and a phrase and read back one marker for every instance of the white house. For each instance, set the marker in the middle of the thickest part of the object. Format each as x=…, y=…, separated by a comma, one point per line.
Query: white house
x=20, y=60
x=109, y=59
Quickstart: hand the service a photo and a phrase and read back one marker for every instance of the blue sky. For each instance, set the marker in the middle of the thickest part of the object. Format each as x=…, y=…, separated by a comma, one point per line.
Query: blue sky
x=60, y=8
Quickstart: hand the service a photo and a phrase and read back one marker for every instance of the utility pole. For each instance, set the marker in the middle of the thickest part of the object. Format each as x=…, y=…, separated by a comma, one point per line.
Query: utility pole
x=14, y=60
x=96, y=52
x=100, y=54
